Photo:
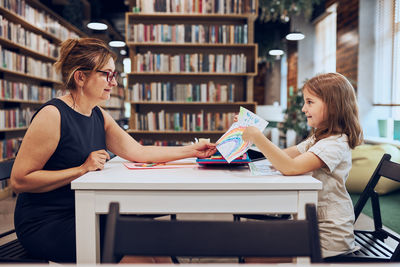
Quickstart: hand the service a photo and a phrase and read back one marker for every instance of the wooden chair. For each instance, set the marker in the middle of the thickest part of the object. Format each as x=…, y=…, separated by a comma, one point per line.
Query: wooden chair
x=126, y=235
x=373, y=248
x=12, y=251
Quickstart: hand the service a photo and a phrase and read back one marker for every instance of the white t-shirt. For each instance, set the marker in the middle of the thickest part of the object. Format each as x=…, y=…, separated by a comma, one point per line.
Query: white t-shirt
x=335, y=208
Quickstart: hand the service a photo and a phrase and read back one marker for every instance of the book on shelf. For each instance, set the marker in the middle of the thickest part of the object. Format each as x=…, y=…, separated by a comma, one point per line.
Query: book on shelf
x=197, y=6
x=23, y=91
x=39, y=19
x=190, y=63
x=20, y=36
x=27, y=65
x=9, y=148
x=178, y=63
x=179, y=33
x=15, y=117
x=177, y=92
x=183, y=121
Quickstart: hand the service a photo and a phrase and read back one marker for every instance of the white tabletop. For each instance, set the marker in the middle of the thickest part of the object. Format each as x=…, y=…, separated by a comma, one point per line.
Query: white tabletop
x=224, y=190
x=195, y=178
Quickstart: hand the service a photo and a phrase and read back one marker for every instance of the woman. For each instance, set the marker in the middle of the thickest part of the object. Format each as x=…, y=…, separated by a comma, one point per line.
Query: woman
x=67, y=138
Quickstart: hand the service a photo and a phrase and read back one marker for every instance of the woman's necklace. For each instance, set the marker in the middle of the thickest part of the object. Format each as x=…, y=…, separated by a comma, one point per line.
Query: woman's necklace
x=74, y=105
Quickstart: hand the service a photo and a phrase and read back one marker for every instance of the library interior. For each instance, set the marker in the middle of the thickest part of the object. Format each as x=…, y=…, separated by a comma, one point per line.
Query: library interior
x=224, y=128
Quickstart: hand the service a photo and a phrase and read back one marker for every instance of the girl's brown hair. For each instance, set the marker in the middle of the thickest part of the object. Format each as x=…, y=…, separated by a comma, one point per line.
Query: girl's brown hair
x=341, y=107
x=86, y=54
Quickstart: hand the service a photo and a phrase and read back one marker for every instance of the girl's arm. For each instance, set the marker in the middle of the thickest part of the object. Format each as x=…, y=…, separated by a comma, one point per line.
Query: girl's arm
x=39, y=143
x=282, y=160
x=122, y=144
x=292, y=151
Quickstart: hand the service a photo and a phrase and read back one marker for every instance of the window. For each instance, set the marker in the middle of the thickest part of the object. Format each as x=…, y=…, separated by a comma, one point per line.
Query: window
x=387, y=68
x=383, y=52
x=396, y=60
x=325, y=52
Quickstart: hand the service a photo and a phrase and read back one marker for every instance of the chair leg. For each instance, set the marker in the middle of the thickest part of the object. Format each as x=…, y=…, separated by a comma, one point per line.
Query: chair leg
x=174, y=260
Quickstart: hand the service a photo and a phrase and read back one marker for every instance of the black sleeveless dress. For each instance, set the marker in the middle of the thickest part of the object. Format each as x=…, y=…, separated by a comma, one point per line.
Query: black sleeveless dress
x=45, y=222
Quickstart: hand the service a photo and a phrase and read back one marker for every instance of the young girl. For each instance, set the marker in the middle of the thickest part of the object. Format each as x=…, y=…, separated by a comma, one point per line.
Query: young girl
x=331, y=110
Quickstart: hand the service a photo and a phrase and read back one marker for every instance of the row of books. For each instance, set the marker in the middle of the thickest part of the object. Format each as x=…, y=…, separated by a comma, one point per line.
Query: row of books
x=182, y=92
x=27, y=65
x=19, y=35
x=24, y=91
x=119, y=91
x=151, y=142
x=198, y=62
x=8, y=150
x=182, y=121
x=3, y=184
x=15, y=118
x=115, y=114
x=196, y=6
x=39, y=18
x=114, y=101
x=179, y=33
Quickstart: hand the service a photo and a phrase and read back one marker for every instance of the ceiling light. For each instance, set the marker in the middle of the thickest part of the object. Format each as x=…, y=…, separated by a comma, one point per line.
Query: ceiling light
x=97, y=26
x=275, y=52
x=123, y=52
x=295, y=36
x=116, y=44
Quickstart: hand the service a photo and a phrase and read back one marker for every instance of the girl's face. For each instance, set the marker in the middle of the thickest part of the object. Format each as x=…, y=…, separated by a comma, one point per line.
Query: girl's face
x=314, y=108
x=97, y=84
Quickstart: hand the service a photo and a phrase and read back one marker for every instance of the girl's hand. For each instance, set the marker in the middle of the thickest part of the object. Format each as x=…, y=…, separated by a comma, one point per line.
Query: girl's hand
x=96, y=160
x=204, y=149
x=250, y=133
x=236, y=118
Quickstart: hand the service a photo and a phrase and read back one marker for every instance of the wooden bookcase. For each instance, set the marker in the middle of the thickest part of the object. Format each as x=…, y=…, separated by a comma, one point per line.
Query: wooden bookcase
x=183, y=64
x=115, y=105
x=30, y=36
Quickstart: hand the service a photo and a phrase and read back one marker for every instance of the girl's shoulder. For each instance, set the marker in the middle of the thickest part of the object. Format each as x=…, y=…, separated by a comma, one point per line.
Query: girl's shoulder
x=339, y=141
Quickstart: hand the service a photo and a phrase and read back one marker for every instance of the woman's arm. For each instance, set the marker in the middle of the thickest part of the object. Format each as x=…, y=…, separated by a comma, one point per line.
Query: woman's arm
x=39, y=143
x=282, y=160
x=122, y=144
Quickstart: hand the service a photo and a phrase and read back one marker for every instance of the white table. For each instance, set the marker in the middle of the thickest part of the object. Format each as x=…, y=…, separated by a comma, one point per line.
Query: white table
x=183, y=190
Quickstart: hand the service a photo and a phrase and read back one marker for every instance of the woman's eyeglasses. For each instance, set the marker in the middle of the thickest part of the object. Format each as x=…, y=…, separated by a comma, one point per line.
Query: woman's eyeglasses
x=110, y=74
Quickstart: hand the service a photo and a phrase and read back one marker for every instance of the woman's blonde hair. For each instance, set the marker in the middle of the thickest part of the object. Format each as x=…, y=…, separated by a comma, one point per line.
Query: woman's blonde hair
x=84, y=53
x=341, y=107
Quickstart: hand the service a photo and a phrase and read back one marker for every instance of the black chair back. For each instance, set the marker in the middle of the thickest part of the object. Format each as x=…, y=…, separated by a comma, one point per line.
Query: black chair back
x=132, y=236
x=5, y=169
x=373, y=247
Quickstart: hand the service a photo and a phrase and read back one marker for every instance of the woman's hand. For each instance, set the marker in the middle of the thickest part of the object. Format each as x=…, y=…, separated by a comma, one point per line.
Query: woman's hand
x=96, y=160
x=250, y=133
x=204, y=149
x=236, y=118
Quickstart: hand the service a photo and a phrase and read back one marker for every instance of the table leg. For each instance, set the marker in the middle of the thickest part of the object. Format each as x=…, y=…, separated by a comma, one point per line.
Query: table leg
x=87, y=228
x=304, y=198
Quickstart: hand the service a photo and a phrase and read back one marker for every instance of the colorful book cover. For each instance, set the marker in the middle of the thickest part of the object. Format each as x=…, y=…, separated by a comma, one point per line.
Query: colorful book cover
x=231, y=144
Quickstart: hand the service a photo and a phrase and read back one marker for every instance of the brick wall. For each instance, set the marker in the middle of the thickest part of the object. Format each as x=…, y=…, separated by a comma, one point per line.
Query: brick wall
x=347, y=38
x=259, y=84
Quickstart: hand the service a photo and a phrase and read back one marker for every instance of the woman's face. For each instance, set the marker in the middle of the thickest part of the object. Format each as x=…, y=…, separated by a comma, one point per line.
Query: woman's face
x=97, y=85
x=314, y=108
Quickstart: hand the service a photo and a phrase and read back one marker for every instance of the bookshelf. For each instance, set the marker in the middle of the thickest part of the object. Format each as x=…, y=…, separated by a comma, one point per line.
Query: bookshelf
x=30, y=36
x=193, y=64
x=115, y=105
